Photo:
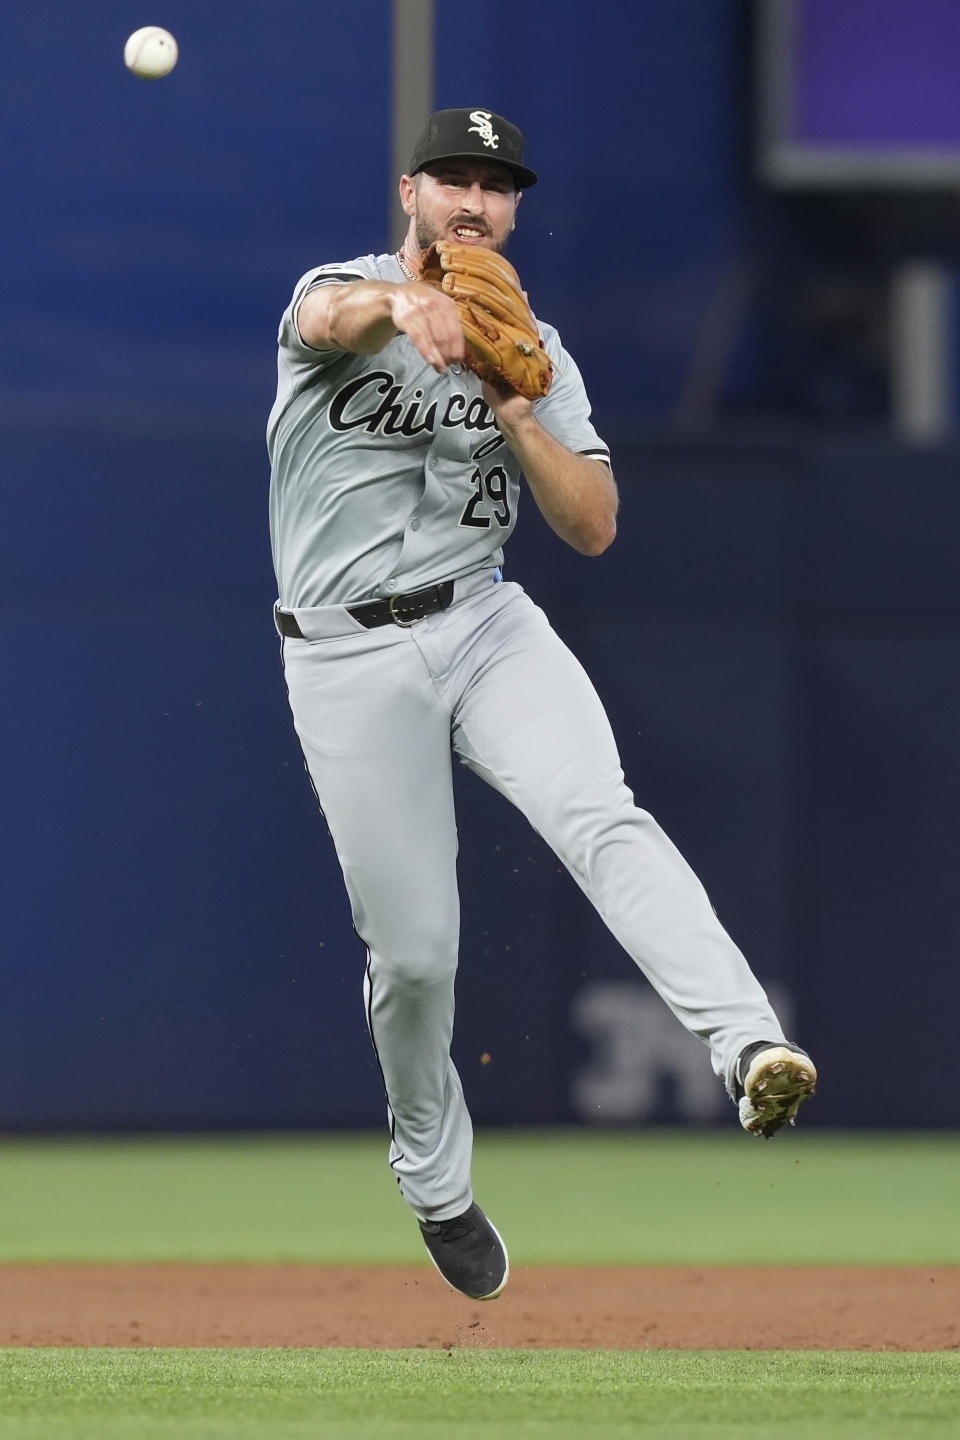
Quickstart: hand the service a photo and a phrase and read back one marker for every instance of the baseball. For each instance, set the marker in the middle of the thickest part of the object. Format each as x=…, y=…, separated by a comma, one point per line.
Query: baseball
x=150, y=52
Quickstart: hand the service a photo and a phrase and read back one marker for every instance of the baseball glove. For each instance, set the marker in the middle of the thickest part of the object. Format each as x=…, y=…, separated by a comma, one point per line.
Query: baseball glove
x=503, y=343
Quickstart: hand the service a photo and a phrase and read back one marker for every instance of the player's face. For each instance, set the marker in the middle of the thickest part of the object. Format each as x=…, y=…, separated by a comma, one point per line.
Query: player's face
x=471, y=201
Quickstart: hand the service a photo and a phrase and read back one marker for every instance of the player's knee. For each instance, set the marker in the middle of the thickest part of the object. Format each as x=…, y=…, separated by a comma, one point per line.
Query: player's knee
x=595, y=835
x=421, y=953
x=416, y=969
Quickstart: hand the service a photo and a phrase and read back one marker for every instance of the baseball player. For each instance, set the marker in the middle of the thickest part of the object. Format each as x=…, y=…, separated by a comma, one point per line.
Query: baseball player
x=414, y=391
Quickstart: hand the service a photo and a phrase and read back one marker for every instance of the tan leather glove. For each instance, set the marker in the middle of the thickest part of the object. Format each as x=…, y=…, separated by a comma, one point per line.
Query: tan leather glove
x=503, y=343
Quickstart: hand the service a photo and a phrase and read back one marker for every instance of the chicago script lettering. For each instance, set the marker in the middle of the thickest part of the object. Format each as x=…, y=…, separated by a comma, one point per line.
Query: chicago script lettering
x=372, y=402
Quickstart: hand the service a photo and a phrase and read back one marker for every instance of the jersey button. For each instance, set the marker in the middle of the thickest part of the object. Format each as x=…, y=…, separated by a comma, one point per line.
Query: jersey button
x=414, y=524
x=391, y=585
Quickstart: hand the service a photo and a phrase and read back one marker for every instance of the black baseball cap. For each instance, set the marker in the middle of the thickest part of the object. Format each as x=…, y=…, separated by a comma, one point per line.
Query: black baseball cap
x=472, y=135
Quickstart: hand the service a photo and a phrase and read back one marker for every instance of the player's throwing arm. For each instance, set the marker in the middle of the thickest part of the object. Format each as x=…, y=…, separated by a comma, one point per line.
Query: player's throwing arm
x=362, y=318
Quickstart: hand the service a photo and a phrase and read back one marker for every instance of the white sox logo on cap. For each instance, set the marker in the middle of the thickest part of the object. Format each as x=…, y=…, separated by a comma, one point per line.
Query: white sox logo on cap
x=483, y=126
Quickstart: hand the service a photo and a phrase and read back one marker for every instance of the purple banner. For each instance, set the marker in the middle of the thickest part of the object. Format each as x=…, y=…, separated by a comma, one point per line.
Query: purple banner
x=876, y=74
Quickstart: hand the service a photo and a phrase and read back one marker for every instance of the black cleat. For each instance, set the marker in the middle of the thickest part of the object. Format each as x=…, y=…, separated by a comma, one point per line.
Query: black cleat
x=773, y=1080
x=469, y=1253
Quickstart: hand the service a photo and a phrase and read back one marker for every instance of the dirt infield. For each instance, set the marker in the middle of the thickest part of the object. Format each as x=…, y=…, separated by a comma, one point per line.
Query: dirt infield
x=388, y=1308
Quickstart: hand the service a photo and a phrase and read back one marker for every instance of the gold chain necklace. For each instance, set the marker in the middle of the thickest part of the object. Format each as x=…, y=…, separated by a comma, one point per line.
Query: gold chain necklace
x=408, y=273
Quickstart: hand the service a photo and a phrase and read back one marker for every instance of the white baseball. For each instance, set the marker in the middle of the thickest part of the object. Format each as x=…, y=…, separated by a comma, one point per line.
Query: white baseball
x=150, y=52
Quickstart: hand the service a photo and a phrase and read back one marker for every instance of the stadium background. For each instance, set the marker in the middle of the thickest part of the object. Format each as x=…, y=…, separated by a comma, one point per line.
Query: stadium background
x=775, y=632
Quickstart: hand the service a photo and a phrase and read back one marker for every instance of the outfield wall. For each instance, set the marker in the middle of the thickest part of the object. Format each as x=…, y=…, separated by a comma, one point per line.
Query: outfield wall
x=775, y=634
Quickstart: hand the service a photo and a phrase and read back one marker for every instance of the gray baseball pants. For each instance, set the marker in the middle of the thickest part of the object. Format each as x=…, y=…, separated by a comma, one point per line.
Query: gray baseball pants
x=380, y=714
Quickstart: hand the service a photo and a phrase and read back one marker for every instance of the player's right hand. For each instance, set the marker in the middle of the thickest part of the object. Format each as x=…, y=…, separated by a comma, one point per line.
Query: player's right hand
x=432, y=321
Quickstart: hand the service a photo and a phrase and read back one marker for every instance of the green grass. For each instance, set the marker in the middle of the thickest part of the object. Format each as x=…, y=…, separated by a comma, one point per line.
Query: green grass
x=576, y=1197
x=650, y=1197
x=530, y=1395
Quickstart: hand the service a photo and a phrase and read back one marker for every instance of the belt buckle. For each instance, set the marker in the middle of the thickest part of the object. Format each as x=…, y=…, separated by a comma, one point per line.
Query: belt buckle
x=396, y=618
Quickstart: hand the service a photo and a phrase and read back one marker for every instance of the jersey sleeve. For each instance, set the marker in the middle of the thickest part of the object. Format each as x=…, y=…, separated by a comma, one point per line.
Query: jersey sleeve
x=298, y=355
x=565, y=410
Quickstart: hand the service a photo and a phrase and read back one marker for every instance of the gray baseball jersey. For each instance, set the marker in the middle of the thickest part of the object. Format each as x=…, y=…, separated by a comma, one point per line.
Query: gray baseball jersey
x=388, y=477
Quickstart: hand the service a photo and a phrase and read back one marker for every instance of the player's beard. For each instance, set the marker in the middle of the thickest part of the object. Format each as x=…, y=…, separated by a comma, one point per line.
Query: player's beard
x=427, y=233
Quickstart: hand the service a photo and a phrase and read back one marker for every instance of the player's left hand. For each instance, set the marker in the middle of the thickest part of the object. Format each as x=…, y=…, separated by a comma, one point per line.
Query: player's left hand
x=510, y=408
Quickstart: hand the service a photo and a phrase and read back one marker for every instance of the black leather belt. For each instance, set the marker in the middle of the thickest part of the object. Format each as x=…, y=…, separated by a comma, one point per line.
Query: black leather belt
x=398, y=610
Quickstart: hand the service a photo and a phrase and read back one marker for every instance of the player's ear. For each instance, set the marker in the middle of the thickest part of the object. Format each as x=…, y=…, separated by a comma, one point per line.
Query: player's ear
x=408, y=195
x=519, y=197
